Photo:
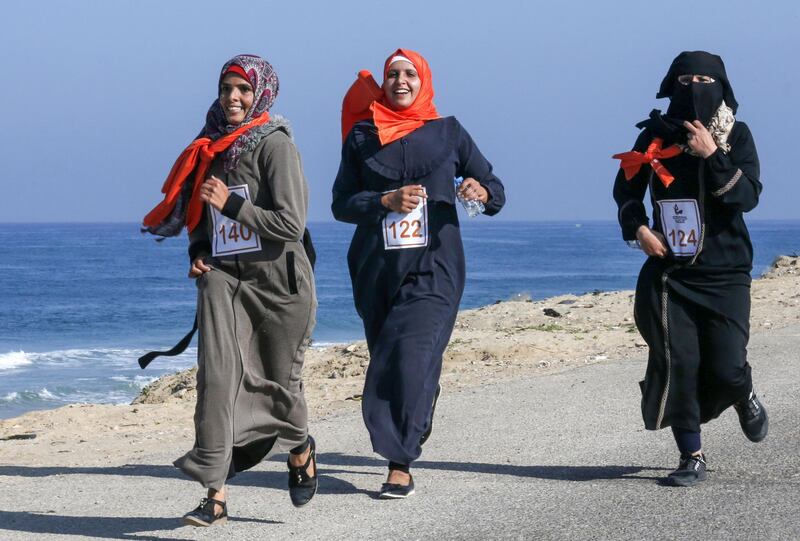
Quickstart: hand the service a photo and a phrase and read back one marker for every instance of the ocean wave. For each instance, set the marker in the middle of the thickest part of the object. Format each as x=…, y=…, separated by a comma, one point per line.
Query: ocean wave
x=116, y=357
x=44, y=394
x=325, y=345
x=13, y=359
x=10, y=397
x=135, y=382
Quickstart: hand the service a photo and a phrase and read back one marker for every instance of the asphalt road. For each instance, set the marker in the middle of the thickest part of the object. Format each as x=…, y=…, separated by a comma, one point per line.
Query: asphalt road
x=555, y=457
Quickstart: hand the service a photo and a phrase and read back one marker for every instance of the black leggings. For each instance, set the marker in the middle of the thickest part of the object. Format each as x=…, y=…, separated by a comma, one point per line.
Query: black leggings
x=687, y=440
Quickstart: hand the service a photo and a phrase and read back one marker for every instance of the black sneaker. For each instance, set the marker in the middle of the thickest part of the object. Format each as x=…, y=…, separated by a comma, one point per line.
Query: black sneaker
x=691, y=470
x=428, y=432
x=204, y=514
x=302, y=486
x=752, y=417
x=391, y=491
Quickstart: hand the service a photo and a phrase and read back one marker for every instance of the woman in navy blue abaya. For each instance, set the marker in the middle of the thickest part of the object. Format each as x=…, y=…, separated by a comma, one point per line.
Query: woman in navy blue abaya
x=406, y=260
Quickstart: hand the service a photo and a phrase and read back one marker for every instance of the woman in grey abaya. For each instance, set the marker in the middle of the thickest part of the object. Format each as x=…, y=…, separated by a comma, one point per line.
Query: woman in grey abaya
x=240, y=190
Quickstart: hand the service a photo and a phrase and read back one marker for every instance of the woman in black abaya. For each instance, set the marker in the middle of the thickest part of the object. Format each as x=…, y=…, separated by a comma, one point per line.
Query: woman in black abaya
x=693, y=294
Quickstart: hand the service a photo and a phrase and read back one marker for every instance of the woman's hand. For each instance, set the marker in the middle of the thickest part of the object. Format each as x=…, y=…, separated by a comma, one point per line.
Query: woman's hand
x=471, y=190
x=198, y=268
x=214, y=192
x=652, y=242
x=699, y=139
x=404, y=199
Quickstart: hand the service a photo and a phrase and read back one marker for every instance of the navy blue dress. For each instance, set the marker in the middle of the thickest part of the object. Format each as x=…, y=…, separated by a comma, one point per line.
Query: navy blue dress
x=408, y=298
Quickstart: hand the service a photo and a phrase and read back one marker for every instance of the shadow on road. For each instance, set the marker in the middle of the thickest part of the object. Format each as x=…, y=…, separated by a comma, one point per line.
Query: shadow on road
x=101, y=527
x=277, y=479
x=267, y=479
x=562, y=473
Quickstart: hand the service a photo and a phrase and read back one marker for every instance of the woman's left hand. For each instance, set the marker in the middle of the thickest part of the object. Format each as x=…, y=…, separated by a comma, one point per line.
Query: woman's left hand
x=214, y=192
x=699, y=139
x=471, y=190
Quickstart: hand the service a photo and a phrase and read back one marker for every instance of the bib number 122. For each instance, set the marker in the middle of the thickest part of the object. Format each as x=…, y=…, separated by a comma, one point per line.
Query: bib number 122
x=408, y=230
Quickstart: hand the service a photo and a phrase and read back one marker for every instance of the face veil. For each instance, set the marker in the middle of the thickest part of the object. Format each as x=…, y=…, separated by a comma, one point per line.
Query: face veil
x=697, y=101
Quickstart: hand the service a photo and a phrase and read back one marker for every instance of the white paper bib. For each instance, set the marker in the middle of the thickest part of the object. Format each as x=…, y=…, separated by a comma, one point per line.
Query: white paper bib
x=410, y=230
x=230, y=236
x=680, y=222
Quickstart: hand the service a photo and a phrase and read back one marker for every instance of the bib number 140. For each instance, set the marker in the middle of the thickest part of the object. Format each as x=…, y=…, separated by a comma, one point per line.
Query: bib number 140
x=233, y=231
x=232, y=237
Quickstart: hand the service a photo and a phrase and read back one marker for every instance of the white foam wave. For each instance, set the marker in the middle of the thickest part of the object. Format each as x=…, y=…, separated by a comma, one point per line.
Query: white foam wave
x=13, y=359
x=44, y=394
x=10, y=397
x=324, y=345
x=118, y=357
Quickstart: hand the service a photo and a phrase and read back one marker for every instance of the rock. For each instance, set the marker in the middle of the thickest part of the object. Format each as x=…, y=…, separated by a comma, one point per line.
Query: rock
x=13, y=437
x=351, y=348
x=783, y=265
x=176, y=385
x=551, y=313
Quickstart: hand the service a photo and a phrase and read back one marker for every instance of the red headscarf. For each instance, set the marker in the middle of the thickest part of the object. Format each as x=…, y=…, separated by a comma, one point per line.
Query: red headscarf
x=365, y=99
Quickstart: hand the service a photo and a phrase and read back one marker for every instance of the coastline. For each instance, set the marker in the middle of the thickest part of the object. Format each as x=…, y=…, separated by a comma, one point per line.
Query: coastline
x=491, y=344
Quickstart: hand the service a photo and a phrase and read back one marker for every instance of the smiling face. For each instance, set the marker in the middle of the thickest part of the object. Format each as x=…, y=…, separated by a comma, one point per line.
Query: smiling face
x=401, y=84
x=236, y=97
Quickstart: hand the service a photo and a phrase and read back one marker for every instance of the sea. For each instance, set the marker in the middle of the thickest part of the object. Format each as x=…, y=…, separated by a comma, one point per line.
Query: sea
x=79, y=303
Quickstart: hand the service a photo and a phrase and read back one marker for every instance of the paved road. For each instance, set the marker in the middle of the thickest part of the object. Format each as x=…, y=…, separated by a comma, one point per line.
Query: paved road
x=555, y=457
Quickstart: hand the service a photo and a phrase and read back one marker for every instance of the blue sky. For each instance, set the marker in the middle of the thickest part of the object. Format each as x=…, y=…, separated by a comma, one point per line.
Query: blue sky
x=99, y=97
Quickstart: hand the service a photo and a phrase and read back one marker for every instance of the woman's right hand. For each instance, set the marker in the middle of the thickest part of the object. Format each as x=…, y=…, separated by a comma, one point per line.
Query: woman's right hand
x=198, y=268
x=404, y=199
x=652, y=242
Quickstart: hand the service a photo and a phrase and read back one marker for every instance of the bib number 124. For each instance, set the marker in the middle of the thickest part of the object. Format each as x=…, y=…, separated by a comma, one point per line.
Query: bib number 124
x=680, y=222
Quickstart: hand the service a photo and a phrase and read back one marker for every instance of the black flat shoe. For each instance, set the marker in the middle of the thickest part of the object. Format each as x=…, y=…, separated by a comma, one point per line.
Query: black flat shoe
x=391, y=491
x=752, y=418
x=302, y=486
x=428, y=432
x=691, y=470
x=204, y=514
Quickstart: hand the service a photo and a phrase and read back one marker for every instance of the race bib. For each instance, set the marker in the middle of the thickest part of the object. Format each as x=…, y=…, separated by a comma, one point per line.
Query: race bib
x=410, y=230
x=231, y=237
x=680, y=220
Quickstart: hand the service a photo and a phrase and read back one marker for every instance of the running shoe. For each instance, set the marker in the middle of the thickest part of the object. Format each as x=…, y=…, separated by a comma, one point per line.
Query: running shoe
x=752, y=417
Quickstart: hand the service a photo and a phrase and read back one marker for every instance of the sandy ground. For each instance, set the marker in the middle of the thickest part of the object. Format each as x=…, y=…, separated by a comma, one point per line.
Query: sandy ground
x=503, y=341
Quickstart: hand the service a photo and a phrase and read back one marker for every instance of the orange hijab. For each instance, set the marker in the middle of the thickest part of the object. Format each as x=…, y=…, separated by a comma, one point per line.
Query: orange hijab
x=365, y=99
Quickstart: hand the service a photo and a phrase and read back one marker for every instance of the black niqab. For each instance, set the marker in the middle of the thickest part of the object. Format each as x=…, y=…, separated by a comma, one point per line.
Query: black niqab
x=697, y=63
x=695, y=101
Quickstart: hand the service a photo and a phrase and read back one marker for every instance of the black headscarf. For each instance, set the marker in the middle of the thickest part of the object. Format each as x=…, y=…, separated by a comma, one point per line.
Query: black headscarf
x=695, y=101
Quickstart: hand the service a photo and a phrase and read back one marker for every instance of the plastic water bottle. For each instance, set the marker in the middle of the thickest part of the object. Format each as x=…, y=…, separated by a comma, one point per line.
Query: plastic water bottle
x=472, y=206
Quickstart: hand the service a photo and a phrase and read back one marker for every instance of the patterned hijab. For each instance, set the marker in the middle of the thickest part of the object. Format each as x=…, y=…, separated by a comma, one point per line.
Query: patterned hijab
x=181, y=204
x=262, y=77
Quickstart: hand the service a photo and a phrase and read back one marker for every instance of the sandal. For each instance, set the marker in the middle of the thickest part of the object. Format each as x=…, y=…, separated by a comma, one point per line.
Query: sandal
x=204, y=514
x=302, y=486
